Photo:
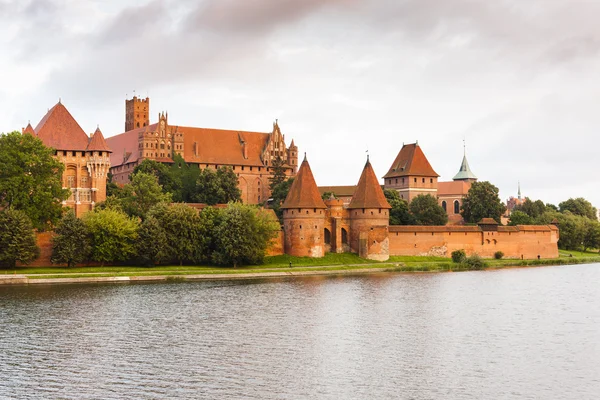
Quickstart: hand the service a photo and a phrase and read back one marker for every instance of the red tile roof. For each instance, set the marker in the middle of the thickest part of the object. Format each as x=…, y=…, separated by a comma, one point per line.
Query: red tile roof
x=368, y=193
x=59, y=130
x=304, y=192
x=125, y=145
x=488, y=221
x=219, y=146
x=411, y=161
x=29, y=130
x=97, y=142
x=339, y=191
x=453, y=188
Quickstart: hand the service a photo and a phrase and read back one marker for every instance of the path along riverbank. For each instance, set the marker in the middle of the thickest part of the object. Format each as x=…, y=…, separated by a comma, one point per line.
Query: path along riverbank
x=124, y=274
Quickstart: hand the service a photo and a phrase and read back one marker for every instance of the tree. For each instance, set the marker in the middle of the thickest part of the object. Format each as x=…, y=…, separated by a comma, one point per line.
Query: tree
x=17, y=238
x=399, y=213
x=243, y=235
x=217, y=187
x=153, y=244
x=278, y=196
x=184, y=179
x=591, y=237
x=143, y=193
x=31, y=179
x=532, y=208
x=161, y=172
x=328, y=195
x=482, y=201
x=278, y=173
x=520, y=218
x=71, y=244
x=113, y=235
x=182, y=228
x=579, y=206
x=426, y=211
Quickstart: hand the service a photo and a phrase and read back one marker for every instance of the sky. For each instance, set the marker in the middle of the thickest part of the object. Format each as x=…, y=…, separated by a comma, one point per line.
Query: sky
x=517, y=81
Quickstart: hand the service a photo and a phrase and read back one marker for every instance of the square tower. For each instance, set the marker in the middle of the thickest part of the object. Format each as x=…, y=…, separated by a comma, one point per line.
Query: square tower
x=137, y=113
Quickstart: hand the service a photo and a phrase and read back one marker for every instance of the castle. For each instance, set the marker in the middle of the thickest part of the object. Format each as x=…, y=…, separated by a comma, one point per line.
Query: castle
x=312, y=227
x=250, y=154
x=86, y=158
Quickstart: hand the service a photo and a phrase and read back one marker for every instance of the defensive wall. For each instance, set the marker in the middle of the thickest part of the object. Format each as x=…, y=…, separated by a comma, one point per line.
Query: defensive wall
x=521, y=241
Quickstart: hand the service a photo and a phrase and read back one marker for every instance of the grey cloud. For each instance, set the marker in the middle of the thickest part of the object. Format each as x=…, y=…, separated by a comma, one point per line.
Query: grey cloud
x=135, y=22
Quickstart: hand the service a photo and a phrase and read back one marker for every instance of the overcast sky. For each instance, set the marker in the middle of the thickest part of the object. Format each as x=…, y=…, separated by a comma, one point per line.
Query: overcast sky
x=517, y=79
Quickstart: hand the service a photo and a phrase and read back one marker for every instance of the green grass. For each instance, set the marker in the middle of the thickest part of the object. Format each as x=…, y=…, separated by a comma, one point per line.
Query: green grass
x=575, y=253
x=331, y=262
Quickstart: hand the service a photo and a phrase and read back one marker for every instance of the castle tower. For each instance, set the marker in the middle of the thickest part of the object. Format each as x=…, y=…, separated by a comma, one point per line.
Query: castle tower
x=411, y=174
x=98, y=165
x=464, y=173
x=304, y=216
x=137, y=113
x=369, y=218
x=292, y=154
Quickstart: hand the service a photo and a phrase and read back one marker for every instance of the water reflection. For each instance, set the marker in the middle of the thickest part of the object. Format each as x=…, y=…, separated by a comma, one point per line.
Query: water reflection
x=524, y=333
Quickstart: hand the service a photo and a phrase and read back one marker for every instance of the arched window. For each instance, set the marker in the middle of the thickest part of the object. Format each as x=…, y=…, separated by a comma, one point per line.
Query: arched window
x=344, y=236
x=327, y=236
x=456, y=207
x=444, y=205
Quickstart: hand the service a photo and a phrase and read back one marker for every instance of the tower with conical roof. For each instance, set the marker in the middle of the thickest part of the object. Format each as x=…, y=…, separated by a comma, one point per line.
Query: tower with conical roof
x=304, y=216
x=98, y=165
x=369, y=218
x=464, y=173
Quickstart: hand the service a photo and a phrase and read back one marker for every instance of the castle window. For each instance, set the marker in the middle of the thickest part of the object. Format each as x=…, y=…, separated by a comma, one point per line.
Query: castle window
x=415, y=180
x=300, y=226
x=138, y=124
x=315, y=210
x=444, y=205
x=403, y=180
x=456, y=207
x=423, y=180
x=71, y=181
x=431, y=180
x=396, y=180
x=344, y=236
x=327, y=236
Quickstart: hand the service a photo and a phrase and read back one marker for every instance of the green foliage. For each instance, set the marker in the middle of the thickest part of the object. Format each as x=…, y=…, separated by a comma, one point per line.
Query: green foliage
x=278, y=195
x=17, y=238
x=459, y=256
x=531, y=208
x=31, y=179
x=498, y=255
x=144, y=192
x=181, y=224
x=328, y=195
x=278, y=173
x=520, y=218
x=243, y=235
x=579, y=206
x=591, y=236
x=217, y=187
x=482, y=201
x=71, y=243
x=113, y=235
x=425, y=210
x=152, y=245
x=111, y=187
x=475, y=262
x=399, y=213
x=162, y=172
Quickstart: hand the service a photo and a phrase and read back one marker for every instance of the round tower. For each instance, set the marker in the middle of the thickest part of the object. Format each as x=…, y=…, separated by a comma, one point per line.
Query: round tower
x=304, y=216
x=369, y=218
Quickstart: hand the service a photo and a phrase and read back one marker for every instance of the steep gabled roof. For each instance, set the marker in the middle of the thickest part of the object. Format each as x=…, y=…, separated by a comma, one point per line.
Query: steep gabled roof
x=368, y=193
x=465, y=171
x=125, y=145
x=411, y=161
x=58, y=129
x=304, y=192
x=97, y=142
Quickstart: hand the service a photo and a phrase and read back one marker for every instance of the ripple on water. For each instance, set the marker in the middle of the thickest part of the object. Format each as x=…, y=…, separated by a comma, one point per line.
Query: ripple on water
x=521, y=333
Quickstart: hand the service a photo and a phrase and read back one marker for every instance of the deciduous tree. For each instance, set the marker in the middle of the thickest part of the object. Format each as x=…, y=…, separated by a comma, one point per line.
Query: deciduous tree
x=153, y=244
x=217, y=187
x=31, y=179
x=399, y=213
x=482, y=201
x=17, y=238
x=71, y=243
x=579, y=206
x=113, y=235
x=425, y=210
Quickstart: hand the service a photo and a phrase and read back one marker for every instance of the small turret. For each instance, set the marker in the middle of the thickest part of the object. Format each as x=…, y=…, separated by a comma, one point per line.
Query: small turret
x=465, y=173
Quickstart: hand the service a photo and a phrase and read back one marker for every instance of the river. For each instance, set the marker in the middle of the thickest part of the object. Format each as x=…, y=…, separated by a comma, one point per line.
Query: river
x=531, y=333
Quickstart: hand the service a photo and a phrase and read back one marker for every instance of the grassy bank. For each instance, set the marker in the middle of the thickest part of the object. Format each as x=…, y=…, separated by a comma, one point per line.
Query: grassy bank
x=331, y=262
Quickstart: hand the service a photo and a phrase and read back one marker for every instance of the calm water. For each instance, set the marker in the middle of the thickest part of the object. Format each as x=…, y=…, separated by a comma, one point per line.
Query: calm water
x=512, y=334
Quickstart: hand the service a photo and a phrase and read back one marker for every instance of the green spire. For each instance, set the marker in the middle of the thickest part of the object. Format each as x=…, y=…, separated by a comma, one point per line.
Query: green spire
x=465, y=173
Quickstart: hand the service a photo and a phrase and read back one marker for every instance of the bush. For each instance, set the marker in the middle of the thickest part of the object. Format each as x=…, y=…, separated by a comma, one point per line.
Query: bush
x=498, y=255
x=459, y=256
x=475, y=262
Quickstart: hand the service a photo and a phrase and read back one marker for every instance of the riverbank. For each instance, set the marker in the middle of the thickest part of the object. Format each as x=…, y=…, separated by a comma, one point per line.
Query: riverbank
x=274, y=267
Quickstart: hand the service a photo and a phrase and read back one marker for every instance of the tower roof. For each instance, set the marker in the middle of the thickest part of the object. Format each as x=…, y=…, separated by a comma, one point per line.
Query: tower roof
x=464, y=172
x=29, y=130
x=97, y=142
x=411, y=161
x=58, y=129
x=304, y=192
x=368, y=193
